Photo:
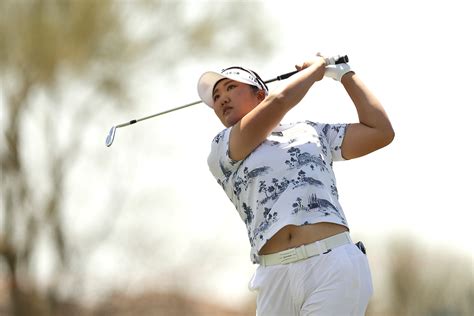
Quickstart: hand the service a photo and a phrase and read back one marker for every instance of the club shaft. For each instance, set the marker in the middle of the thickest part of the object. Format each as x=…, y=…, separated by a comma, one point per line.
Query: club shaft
x=158, y=114
x=331, y=60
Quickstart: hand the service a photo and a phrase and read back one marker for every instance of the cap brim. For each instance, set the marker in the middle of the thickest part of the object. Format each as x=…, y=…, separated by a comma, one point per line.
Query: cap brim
x=206, y=84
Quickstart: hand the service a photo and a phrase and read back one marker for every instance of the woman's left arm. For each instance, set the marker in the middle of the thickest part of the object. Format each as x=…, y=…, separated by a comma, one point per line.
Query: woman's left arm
x=374, y=129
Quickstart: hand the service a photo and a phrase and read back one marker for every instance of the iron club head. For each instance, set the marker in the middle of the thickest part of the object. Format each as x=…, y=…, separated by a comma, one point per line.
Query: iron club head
x=110, y=138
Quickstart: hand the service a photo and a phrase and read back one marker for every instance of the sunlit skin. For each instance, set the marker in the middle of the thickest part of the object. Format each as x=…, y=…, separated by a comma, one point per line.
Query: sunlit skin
x=233, y=100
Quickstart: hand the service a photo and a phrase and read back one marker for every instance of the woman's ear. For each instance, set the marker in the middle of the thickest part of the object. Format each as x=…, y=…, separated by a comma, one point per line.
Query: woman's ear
x=261, y=95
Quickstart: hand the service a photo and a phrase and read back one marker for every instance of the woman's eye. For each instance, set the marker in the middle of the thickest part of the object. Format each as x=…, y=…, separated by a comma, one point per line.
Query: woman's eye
x=231, y=86
x=216, y=97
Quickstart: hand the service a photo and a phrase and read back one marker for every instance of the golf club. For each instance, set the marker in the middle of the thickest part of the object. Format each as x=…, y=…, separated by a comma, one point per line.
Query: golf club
x=110, y=137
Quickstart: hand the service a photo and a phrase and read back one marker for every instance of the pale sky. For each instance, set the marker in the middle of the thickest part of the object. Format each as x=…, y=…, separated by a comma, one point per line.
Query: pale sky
x=414, y=56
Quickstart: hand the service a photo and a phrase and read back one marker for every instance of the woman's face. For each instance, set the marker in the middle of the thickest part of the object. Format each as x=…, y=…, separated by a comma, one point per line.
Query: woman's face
x=233, y=100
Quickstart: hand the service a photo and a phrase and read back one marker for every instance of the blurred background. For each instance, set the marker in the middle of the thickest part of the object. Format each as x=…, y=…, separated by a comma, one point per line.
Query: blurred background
x=142, y=228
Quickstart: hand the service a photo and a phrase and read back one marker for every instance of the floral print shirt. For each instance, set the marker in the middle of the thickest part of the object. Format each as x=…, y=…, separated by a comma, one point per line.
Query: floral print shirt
x=286, y=180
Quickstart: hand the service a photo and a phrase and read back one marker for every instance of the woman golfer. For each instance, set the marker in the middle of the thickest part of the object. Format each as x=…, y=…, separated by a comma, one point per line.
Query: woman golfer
x=281, y=181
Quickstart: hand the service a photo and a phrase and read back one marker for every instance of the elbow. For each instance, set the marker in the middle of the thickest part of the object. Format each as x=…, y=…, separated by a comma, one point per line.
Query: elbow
x=388, y=136
x=383, y=137
x=392, y=136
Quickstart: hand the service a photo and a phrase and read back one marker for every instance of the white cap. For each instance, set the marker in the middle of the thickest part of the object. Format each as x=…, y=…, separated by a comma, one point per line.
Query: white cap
x=209, y=79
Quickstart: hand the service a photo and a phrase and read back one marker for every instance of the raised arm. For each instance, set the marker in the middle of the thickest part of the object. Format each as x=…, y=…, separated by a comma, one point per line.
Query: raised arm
x=255, y=126
x=374, y=129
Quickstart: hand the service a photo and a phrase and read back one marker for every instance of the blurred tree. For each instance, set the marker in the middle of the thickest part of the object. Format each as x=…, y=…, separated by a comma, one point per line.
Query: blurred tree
x=421, y=281
x=46, y=45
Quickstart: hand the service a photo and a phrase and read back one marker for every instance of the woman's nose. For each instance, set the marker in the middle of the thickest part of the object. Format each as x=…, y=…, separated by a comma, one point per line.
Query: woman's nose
x=225, y=100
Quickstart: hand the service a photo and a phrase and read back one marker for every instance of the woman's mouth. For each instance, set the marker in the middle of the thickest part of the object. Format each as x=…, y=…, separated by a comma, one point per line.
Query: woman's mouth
x=226, y=110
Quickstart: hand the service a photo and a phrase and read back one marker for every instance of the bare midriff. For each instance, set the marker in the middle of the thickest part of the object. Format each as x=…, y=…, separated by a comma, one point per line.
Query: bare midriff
x=292, y=236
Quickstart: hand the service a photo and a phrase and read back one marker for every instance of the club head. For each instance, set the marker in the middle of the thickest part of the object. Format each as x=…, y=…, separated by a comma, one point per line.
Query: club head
x=110, y=138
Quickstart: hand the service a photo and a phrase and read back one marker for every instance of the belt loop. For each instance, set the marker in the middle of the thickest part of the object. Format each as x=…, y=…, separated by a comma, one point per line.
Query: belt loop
x=303, y=250
x=318, y=247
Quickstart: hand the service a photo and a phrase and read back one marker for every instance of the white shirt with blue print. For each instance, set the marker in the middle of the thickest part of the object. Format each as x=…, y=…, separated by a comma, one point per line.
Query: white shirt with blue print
x=286, y=180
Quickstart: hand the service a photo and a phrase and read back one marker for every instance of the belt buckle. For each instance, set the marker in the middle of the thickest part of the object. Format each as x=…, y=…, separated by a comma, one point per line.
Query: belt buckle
x=288, y=256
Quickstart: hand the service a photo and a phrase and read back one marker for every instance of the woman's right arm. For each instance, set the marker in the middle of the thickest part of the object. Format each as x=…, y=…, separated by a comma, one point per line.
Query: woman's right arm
x=254, y=127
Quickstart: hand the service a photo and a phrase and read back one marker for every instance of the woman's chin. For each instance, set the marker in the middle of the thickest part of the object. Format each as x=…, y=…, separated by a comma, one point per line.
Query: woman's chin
x=229, y=121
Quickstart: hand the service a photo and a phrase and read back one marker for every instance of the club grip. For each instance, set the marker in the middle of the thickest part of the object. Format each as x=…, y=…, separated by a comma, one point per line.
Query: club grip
x=334, y=60
x=287, y=75
x=343, y=59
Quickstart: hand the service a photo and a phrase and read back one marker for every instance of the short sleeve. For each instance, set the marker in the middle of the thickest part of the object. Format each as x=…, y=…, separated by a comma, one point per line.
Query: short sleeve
x=334, y=135
x=220, y=164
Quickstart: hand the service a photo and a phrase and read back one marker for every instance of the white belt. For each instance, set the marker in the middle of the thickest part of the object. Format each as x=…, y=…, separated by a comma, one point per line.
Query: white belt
x=305, y=251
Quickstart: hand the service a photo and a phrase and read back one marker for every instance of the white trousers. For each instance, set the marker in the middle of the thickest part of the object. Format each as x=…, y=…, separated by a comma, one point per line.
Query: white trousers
x=337, y=283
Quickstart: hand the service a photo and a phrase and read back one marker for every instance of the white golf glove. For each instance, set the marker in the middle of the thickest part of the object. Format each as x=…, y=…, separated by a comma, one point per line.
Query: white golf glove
x=337, y=71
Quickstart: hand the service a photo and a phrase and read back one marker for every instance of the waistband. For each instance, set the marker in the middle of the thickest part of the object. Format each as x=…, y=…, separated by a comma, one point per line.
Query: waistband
x=305, y=251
